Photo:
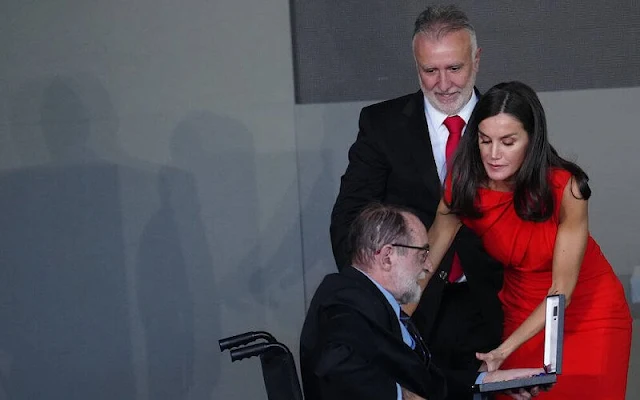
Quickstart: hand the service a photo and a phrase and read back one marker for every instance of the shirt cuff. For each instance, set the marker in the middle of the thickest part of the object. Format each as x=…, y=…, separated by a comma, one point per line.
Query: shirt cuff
x=479, y=379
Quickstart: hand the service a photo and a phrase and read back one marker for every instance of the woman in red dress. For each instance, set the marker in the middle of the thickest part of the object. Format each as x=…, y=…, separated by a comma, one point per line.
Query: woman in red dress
x=529, y=206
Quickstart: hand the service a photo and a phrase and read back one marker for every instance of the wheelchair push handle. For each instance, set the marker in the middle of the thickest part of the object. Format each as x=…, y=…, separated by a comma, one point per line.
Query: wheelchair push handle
x=244, y=338
x=256, y=350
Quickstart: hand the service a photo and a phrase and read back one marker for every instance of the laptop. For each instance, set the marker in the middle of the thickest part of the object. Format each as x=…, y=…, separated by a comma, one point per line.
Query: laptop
x=553, y=336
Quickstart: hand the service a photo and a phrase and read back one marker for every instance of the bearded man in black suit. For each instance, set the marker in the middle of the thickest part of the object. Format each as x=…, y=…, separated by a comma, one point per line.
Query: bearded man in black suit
x=356, y=343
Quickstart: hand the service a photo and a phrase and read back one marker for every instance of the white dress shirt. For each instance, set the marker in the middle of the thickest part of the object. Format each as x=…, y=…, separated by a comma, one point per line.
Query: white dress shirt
x=438, y=133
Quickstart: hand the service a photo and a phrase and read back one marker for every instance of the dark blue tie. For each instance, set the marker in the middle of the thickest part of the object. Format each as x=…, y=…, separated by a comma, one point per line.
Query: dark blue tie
x=419, y=346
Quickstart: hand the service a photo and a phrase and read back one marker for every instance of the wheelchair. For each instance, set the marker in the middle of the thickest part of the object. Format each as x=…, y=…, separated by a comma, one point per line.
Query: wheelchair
x=278, y=366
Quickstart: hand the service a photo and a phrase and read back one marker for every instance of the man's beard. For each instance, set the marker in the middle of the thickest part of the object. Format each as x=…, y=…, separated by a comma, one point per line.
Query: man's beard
x=412, y=292
x=452, y=109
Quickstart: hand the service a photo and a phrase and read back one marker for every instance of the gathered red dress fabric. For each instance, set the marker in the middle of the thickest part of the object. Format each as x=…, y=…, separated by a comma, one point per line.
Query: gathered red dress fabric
x=597, y=331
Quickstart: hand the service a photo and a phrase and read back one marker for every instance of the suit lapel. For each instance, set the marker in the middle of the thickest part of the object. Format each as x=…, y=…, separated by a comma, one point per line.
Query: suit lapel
x=366, y=282
x=419, y=143
x=411, y=371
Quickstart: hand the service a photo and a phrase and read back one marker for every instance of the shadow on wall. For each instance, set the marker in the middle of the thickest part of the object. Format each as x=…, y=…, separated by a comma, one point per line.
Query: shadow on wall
x=66, y=331
x=317, y=200
x=177, y=293
x=257, y=269
x=165, y=300
x=317, y=188
x=75, y=296
x=107, y=264
x=325, y=134
x=273, y=279
x=625, y=279
x=218, y=152
x=217, y=225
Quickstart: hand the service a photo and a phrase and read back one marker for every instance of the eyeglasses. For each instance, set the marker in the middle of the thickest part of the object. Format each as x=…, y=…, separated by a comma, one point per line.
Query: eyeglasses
x=424, y=248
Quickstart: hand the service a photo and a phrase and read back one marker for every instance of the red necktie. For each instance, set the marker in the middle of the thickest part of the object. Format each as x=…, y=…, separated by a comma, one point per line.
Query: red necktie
x=454, y=124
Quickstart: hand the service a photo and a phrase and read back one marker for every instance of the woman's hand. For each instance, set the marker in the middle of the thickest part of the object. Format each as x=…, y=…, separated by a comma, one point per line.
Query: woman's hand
x=492, y=360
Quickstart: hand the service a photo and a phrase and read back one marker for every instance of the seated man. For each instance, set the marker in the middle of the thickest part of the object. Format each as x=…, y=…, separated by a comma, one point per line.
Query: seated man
x=356, y=342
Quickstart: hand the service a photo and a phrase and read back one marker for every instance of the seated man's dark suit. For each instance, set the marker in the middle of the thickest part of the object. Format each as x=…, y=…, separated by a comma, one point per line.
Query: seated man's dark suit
x=351, y=346
x=392, y=162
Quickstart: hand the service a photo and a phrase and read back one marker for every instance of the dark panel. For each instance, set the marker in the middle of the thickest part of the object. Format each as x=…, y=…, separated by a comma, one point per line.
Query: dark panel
x=361, y=50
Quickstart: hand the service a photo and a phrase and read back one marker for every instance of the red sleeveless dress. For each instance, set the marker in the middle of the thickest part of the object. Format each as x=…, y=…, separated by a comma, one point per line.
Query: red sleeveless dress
x=597, y=335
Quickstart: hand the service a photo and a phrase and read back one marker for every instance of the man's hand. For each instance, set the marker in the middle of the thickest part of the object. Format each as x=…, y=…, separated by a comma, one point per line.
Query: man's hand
x=523, y=394
x=409, y=395
x=508, y=374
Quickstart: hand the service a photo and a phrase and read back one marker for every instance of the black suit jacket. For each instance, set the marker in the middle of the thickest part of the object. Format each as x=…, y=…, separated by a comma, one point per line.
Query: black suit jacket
x=351, y=346
x=392, y=161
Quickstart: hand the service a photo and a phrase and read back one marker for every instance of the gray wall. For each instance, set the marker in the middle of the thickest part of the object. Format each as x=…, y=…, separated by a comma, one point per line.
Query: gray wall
x=150, y=195
x=364, y=53
x=160, y=189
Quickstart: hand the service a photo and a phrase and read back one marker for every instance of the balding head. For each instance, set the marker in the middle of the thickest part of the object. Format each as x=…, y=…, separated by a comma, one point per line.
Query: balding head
x=390, y=244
